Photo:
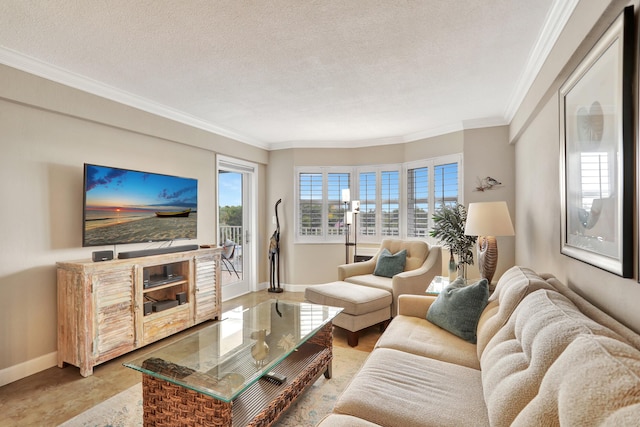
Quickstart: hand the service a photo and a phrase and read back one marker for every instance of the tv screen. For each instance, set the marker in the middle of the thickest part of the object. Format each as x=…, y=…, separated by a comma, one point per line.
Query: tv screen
x=128, y=206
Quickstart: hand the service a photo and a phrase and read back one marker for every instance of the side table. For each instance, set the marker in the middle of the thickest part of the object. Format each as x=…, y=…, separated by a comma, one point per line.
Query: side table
x=437, y=285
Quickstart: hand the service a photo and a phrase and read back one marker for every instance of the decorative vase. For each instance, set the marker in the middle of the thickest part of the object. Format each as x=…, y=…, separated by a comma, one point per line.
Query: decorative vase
x=462, y=270
x=452, y=267
x=260, y=350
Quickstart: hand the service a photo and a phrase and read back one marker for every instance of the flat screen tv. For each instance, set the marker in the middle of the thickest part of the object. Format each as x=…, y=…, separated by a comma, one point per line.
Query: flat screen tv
x=127, y=206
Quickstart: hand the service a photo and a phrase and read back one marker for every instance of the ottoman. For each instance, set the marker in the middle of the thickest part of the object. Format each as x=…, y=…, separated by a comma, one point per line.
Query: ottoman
x=363, y=306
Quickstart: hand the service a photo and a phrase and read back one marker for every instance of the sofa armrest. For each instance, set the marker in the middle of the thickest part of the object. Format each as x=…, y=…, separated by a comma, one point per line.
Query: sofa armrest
x=417, y=281
x=356, y=269
x=415, y=305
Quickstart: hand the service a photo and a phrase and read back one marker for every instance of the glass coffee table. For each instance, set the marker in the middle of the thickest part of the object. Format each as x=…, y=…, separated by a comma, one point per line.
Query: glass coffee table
x=221, y=374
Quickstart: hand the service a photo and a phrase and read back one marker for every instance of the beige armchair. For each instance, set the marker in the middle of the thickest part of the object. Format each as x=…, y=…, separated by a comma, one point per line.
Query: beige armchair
x=423, y=263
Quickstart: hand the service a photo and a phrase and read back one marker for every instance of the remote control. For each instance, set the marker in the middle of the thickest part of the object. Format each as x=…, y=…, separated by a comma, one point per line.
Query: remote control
x=275, y=377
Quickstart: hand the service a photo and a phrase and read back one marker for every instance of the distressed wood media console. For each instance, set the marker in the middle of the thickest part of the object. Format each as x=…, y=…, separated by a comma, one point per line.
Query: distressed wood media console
x=101, y=305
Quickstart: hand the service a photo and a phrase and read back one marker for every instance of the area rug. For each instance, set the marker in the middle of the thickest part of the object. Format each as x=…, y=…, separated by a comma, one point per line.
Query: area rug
x=125, y=408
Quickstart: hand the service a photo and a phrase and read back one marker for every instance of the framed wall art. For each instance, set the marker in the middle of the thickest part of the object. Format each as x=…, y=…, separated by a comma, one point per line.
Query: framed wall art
x=597, y=153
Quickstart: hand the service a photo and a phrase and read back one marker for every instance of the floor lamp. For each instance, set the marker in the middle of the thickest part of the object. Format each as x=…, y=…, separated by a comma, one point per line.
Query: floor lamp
x=488, y=220
x=355, y=210
x=346, y=198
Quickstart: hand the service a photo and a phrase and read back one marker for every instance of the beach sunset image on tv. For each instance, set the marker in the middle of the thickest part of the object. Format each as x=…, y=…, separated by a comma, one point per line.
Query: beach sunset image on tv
x=127, y=206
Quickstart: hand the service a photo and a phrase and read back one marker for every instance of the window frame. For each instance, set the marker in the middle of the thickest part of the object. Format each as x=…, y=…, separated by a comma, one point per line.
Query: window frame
x=354, y=187
x=431, y=164
x=379, y=170
x=325, y=237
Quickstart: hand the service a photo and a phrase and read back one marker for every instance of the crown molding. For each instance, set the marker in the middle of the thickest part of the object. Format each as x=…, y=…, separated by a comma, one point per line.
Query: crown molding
x=557, y=18
x=555, y=22
x=59, y=75
x=402, y=139
x=485, y=122
x=355, y=143
x=433, y=132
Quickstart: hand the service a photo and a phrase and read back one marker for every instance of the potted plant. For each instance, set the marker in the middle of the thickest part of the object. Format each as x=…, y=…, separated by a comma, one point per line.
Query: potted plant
x=448, y=228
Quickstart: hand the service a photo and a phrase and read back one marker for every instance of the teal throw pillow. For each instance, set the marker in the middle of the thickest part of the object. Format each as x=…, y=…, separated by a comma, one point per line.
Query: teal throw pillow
x=389, y=265
x=458, y=308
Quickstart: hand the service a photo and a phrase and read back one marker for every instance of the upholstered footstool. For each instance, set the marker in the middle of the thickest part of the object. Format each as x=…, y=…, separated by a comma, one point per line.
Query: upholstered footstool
x=363, y=306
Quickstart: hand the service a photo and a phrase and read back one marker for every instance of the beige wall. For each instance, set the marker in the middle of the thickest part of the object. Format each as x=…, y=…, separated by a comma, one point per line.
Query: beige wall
x=535, y=131
x=486, y=152
x=48, y=131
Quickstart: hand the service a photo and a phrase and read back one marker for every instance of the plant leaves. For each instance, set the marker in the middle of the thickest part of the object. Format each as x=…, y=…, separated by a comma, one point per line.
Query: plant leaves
x=448, y=228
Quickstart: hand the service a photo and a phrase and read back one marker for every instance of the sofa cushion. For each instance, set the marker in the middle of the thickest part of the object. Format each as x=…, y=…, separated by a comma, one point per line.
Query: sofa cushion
x=419, y=336
x=458, y=308
x=593, y=312
x=339, y=420
x=515, y=284
x=379, y=282
x=394, y=388
x=518, y=356
x=595, y=381
x=389, y=265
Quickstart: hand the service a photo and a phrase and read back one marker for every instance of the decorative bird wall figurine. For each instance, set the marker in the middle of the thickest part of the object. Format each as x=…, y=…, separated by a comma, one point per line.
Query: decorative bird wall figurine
x=487, y=183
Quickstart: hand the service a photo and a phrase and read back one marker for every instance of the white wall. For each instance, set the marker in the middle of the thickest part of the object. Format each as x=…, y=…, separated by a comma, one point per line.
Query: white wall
x=486, y=152
x=535, y=131
x=47, y=133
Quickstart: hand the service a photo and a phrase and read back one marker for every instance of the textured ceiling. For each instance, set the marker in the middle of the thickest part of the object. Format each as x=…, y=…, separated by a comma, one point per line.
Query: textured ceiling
x=285, y=73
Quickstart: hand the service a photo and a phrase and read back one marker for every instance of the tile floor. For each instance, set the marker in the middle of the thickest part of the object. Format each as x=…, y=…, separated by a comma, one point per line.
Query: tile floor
x=55, y=395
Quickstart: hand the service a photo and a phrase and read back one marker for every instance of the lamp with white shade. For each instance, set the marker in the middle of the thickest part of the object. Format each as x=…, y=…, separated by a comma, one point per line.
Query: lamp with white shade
x=355, y=210
x=348, y=216
x=488, y=220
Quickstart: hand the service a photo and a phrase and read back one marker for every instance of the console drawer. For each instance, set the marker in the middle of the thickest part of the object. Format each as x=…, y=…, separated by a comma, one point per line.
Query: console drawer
x=162, y=324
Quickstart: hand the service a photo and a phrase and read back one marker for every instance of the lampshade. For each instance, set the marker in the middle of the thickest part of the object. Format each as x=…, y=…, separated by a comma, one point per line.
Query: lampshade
x=348, y=217
x=346, y=195
x=488, y=219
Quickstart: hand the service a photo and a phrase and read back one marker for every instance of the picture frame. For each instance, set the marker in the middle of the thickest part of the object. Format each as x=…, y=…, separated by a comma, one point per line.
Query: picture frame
x=597, y=152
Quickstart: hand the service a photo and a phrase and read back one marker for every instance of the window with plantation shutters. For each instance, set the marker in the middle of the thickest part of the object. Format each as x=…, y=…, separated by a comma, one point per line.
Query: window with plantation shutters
x=390, y=203
x=418, y=202
x=336, y=182
x=396, y=201
x=320, y=209
x=445, y=185
x=379, y=195
x=431, y=184
x=310, y=203
x=368, y=204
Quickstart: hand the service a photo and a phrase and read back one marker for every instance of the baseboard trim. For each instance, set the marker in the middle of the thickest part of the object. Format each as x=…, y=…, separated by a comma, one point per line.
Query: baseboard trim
x=33, y=366
x=296, y=288
x=285, y=286
x=30, y=367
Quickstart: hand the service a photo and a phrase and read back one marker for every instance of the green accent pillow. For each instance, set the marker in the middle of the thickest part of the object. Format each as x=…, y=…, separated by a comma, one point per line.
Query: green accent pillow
x=458, y=308
x=389, y=265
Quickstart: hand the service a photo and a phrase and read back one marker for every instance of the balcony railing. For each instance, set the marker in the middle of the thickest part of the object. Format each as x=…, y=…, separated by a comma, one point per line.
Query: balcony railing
x=233, y=233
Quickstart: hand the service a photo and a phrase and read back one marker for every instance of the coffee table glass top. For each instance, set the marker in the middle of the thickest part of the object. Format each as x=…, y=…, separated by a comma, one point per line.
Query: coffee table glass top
x=224, y=359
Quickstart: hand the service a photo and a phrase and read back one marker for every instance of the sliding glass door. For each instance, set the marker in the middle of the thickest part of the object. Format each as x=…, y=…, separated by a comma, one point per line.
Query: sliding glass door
x=236, y=223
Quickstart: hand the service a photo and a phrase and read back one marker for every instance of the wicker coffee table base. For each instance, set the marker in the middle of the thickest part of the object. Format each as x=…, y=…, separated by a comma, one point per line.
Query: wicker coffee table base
x=167, y=404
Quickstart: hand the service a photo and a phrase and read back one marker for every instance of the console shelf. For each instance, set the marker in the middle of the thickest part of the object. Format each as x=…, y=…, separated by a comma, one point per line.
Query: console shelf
x=101, y=304
x=164, y=286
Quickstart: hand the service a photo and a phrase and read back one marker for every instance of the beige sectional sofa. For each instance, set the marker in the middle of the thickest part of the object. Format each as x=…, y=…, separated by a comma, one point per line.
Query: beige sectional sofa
x=544, y=357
